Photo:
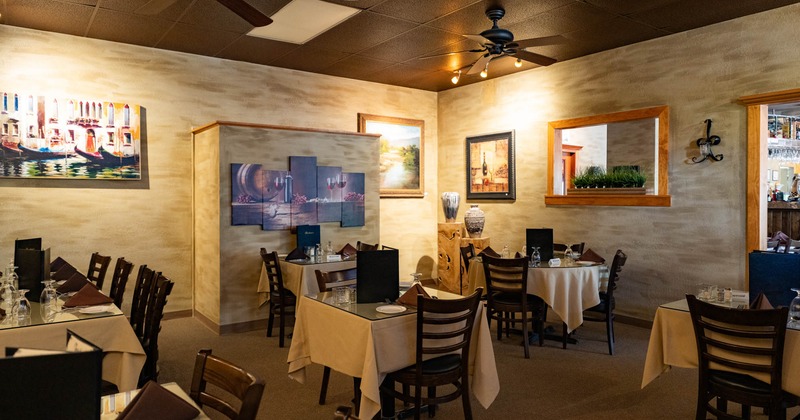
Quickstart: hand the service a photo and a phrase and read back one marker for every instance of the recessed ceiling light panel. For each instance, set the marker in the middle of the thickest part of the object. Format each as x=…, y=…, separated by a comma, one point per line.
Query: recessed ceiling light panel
x=301, y=21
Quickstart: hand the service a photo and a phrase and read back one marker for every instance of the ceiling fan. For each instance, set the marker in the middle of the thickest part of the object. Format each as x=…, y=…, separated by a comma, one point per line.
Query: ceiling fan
x=240, y=7
x=498, y=42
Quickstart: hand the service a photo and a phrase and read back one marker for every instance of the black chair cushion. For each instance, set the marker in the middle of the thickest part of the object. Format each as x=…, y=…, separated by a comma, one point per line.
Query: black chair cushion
x=738, y=381
x=436, y=365
x=506, y=298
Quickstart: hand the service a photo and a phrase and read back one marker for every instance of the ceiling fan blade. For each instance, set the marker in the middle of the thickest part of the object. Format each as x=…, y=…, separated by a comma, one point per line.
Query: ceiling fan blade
x=247, y=12
x=480, y=64
x=449, y=53
x=537, y=42
x=154, y=7
x=477, y=38
x=535, y=58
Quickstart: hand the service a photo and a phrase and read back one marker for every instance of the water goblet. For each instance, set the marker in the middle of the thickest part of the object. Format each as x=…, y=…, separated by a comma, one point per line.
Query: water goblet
x=568, y=254
x=794, y=312
x=536, y=257
x=415, y=279
x=22, y=308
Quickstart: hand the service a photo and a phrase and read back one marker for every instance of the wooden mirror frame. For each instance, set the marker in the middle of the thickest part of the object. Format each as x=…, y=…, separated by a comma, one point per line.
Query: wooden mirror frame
x=662, y=199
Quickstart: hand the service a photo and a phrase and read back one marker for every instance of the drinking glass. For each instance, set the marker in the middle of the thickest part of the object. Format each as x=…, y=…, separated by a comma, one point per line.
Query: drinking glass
x=23, y=306
x=536, y=257
x=415, y=279
x=48, y=302
x=568, y=254
x=794, y=312
x=7, y=295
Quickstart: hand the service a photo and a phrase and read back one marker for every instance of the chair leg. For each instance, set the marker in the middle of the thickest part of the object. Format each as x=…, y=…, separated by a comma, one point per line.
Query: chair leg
x=465, y=397
x=499, y=326
x=431, y=405
x=564, y=335
x=281, y=328
x=323, y=391
x=746, y=412
x=357, y=394
x=417, y=401
x=269, y=322
x=610, y=334
x=525, y=333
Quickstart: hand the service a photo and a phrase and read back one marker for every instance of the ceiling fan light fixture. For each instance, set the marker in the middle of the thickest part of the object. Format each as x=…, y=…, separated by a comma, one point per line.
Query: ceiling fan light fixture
x=456, y=78
x=518, y=63
x=485, y=71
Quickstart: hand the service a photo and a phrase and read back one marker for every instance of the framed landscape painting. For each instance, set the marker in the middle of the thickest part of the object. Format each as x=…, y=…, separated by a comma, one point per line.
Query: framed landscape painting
x=401, y=156
x=490, y=167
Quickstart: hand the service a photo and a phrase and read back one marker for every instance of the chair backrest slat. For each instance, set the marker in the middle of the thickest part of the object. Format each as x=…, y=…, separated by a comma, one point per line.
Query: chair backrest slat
x=98, y=266
x=145, y=280
x=329, y=279
x=224, y=375
x=122, y=271
x=445, y=326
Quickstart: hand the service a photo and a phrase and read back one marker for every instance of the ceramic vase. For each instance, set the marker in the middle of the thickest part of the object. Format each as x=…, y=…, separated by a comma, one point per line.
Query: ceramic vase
x=450, y=202
x=474, y=220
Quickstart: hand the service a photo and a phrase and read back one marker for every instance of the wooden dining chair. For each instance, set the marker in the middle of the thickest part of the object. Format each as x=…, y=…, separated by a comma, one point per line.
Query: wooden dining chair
x=98, y=266
x=604, y=311
x=119, y=279
x=327, y=280
x=223, y=375
x=385, y=247
x=145, y=280
x=467, y=254
x=361, y=246
x=748, y=341
x=507, y=285
x=444, y=332
x=282, y=302
x=152, y=327
x=561, y=248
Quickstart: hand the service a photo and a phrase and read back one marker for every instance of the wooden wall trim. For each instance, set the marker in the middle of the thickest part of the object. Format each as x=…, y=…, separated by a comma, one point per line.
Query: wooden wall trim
x=277, y=127
x=609, y=200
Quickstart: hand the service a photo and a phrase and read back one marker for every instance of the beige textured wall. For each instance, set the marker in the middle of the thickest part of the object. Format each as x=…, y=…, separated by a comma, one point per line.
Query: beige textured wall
x=150, y=221
x=699, y=74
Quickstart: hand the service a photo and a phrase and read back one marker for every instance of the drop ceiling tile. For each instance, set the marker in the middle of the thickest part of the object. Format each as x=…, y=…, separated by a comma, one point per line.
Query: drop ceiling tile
x=308, y=58
x=449, y=62
x=47, y=15
x=171, y=13
x=421, y=11
x=473, y=20
x=213, y=15
x=127, y=27
x=360, y=32
x=419, y=41
x=569, y=18
x=82, y=2
x=358, y=4
x=256, y=50
x=196, y=40
x=627, y=7
x=397, y=73
x=626, y=32
x=689, y=14
x=356, y=66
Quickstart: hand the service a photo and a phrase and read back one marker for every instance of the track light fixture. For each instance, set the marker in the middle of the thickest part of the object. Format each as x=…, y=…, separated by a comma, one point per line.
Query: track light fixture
x=485, y=71
x=456, y=78
x=518, y=63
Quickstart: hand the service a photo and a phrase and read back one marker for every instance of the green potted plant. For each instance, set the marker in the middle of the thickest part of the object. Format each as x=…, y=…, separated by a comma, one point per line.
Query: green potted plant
x=620, y=180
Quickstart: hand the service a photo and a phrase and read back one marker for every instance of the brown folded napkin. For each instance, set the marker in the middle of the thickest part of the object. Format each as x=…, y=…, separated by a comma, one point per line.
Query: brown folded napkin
x=409, y=298
x=64, y=272
x=761, y=302
x=296, y=254
x=156, y=402
x=87, y=296
x=591, y=256
x=74, y=283
x=490, y=252
x=57, y=263
x=348, y=251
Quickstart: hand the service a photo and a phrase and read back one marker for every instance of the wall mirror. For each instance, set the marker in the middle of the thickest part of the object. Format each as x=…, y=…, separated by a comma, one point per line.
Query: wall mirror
x=637, y=139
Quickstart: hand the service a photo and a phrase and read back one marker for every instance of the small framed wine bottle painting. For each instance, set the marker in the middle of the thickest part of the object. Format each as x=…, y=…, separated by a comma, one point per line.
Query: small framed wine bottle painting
x=490, y=167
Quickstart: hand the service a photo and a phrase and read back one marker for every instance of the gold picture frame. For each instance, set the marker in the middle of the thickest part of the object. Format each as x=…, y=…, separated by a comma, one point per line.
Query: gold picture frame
x=402, y=156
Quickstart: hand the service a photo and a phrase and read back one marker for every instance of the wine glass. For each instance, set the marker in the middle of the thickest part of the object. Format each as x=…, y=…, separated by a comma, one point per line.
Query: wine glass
x=536, y=257
x=343, y=180
x=48, y=301
x=22, y=309
x=7, y=295
x=331, y=186
x=568, y=254
x=415, y=279
x=794, y=312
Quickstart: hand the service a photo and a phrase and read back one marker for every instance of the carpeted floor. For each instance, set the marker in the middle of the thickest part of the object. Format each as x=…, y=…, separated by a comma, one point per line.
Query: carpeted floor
x=582, y=382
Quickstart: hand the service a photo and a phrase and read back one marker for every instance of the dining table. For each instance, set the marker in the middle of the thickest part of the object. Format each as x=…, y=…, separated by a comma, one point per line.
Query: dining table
x=107, y=329
x=672, y=343
x=357, y=340
x=112, y=405
x=299, y=276
x=569, y=288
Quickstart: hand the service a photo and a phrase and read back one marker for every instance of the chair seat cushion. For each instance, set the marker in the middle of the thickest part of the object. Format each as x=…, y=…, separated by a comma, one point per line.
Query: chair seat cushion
x=738, y=381
x=436, y=365
x=507, y=298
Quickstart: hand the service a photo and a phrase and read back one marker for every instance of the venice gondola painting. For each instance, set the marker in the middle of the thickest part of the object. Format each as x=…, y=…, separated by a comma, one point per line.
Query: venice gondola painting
x=48, y=137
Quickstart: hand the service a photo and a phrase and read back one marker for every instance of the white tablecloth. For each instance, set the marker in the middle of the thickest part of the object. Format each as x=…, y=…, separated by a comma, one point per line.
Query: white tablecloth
x=672, y=343
x=568, y=290
x=359, y=347
x=124, y=356
x=299, y=279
